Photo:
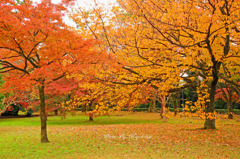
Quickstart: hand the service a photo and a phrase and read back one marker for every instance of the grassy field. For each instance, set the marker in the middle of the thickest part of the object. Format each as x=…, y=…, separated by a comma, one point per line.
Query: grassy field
x=120, y=135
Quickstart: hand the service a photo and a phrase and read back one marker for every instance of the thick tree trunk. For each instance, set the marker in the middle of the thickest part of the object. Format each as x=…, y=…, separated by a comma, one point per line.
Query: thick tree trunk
x=43, y=115
x=210, y=122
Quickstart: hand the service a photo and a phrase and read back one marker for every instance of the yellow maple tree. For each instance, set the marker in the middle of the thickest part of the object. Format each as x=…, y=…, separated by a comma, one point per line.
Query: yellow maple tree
x=157, y=43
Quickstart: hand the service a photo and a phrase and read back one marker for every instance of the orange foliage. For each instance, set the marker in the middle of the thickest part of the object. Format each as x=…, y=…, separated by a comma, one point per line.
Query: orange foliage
x=159, y=43
x=37, y=48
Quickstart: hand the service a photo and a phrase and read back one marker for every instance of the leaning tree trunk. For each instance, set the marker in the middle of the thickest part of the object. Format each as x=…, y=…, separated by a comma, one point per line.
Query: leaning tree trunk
x=43, y=115
x=3, y=110
x=7, y=104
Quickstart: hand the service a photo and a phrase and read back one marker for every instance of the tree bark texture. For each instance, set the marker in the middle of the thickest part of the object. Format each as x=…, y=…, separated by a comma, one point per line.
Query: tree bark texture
x=43, y=115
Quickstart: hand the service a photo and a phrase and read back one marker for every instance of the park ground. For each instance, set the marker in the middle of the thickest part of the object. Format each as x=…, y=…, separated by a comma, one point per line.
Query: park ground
x=120, y=135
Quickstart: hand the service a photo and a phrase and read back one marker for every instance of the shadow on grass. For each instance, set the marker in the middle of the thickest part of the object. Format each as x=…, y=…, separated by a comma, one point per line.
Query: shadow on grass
x=74, y=120
x=199, y=129
x=97, y=121
x=19, y=116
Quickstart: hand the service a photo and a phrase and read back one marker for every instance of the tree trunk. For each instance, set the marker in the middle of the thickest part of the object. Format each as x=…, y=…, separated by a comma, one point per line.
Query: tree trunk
x=178, y=100
x=163, y=101
x=150, y=108
x=228, y=95
x=3, y=110
x=229, y=105
x=175, y=107
x=90, y=118
x=210, y=122
x=174, y=102
x=84, y=109
x=164, y=113
x=43, y=115
x=92, y=107
x=230, y=109
x=161, y=112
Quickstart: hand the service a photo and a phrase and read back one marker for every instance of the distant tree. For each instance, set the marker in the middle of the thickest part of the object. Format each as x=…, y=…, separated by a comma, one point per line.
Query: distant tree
x=229, y=96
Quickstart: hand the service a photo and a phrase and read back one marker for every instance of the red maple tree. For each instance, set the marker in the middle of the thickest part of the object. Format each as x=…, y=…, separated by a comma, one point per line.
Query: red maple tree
x=37, y=48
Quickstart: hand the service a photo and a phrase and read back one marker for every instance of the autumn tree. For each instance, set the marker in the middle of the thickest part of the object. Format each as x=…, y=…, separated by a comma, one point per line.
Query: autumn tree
x=37, y=48
x=229, y=74
x=229, y=96
x=133, y=71
x=166, y=39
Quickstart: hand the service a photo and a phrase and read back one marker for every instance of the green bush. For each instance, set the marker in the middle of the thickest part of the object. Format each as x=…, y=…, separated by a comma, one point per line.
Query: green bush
x=12, y=112
x=236, y=111
x=220, y=104
x=219, y=111
x=225, y=111
x=143, y=105
x=172, y=109
x=136, y=109
x=29, y=112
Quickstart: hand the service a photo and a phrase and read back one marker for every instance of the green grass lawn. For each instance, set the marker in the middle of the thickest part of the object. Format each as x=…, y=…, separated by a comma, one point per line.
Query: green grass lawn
x=120, y=135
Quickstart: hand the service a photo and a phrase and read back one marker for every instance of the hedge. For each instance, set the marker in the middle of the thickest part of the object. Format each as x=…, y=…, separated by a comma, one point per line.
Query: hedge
x=225, y=111
x=219, y=111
